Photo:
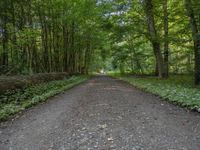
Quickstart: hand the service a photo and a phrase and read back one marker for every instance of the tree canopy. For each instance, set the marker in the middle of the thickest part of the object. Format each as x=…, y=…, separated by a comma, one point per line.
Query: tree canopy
x=80, y=36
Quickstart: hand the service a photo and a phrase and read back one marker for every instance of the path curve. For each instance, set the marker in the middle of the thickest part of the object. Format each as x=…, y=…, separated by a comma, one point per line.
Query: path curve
x=103, y=113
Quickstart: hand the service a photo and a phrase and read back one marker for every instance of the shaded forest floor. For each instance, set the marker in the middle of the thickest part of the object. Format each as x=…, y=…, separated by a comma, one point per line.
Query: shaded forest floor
x=103, y=113
x=17, y=100
x=179, y=89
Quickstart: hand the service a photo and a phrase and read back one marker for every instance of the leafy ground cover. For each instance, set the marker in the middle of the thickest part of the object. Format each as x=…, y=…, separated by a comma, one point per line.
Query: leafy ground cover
x=15, y=101
x=178, y=89
x=21, y=81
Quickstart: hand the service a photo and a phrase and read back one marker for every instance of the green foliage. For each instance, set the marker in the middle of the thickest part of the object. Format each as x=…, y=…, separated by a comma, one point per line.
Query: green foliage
x=78, y=36
x=49, y=36
x=13, y=102
x=178, y=89
x=131, y=46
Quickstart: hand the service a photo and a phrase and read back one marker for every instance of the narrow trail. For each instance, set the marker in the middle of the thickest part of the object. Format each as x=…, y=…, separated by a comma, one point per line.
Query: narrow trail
x=103, y=113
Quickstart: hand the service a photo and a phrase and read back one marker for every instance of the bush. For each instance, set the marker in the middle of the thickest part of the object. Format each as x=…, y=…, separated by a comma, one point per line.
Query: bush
x=19, y=82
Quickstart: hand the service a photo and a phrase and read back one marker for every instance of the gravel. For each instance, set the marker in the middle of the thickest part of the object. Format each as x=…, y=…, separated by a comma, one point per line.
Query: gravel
x=103, y=114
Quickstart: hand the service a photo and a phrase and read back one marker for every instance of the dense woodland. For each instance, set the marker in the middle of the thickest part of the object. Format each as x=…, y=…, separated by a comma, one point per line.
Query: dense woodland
x=80, y=36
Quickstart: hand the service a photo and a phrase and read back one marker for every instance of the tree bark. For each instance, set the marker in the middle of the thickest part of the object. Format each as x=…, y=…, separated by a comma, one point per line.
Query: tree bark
x=153, y=37
x=5, y=38
x=196, y=39
x=166, y=41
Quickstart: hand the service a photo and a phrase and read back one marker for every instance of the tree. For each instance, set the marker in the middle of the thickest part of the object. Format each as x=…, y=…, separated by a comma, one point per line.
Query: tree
x=148, y=6
x=166, y=34
x=48, y=35
x=196, y=37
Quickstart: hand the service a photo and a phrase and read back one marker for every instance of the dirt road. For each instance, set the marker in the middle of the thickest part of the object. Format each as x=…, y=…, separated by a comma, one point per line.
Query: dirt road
x=104, y=114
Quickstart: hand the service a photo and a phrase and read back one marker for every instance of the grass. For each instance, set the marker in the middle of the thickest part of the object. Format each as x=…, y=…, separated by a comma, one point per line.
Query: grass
x=14, y=102
x=178, y=89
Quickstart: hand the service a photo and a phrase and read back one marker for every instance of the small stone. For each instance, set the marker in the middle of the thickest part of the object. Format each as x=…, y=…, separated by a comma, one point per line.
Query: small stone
x=112, y=146
x=137, y=148
x=198, y=110
x=120, y=117
x=84, y=128
x=110, y=139
x=102, y=126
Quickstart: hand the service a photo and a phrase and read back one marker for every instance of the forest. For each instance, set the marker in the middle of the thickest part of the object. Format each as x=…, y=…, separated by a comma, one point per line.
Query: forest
x=81, y=36
x=156, y=38
x=100, y=74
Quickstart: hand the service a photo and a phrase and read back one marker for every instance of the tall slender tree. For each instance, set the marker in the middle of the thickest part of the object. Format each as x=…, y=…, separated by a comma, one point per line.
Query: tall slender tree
x=148, y=6
x=196, y=37
x=166, y=41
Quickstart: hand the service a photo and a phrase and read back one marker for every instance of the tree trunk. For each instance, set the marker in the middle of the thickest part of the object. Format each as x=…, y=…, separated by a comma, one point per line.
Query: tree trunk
x=154, y=38
x=44, y=37
x=196, y=39
x=4, y=62
x=160, y=70
x=166, y=42
x=5, y=44
x=197, y=61
x=65, y=47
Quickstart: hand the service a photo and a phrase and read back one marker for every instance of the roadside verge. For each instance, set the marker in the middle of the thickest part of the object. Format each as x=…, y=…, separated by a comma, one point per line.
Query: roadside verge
x=13, y=102
x=174, y=89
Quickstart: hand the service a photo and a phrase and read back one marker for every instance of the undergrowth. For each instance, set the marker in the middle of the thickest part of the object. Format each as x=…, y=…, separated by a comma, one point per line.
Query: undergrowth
x=178, y=89
x=15, y=101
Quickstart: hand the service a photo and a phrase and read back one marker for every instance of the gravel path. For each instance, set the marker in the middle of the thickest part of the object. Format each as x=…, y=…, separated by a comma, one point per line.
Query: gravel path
x=103, y=114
